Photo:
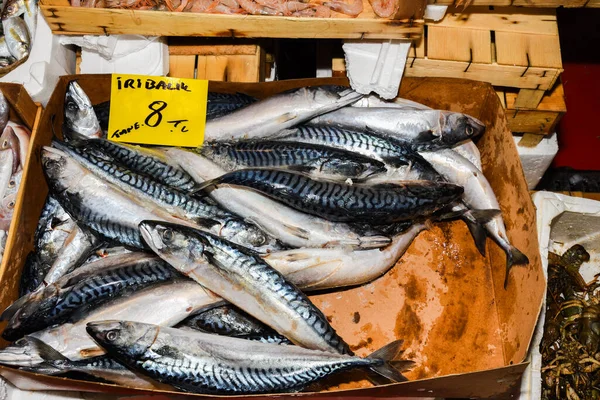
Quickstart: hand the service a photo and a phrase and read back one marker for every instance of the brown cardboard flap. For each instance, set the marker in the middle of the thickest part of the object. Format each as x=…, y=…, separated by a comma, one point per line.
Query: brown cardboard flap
x=443, y=298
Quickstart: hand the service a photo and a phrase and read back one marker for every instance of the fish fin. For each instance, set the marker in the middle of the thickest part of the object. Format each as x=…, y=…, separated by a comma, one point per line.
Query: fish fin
x=425, y=136
x=515, y=257
x=297, y=168
x=478, y=233
x=206, y=185
x=54, y=362
x=484, y=216
x=374, y=242
x=390, y=368
x=286, y=117
x=300, y=232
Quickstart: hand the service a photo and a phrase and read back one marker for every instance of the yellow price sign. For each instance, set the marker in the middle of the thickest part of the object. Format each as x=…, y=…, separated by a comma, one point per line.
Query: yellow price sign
x=157, y=110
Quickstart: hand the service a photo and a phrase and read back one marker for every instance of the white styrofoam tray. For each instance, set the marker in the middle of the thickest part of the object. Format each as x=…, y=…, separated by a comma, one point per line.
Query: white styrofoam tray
x=562, y=221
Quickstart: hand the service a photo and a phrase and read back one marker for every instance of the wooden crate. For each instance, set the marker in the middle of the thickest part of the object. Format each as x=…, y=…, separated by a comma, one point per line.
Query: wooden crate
x=526, y=3
x=216, y=60
x=66, y=20
x=539, y=120
x=506, y=47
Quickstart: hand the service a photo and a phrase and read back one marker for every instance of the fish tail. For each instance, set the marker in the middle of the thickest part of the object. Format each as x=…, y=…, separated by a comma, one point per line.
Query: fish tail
x=514, y=257
x=389, y=367
x=54, y=362
x=475, y=221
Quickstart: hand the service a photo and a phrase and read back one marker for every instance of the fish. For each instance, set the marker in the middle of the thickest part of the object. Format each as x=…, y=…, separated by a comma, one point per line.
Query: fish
x=241, y=277
x=317, y=269
x=79, y=117
x=205, y=363
x=477, y=194
x=368, y=144
x=102, y=111
x=103, y=367
x=33, y=274
x=228, y=320
x=75, y=250
x=30, y=16
x=291, y=227
x=105, y=210
x=7, y=207
x=7, y=61
x=13, y=8
x=421, y=130
x=341, y=202
x=23, y=138
x=154, y=305
x=10, y=141
x=173, y=201
x=17, y=37
x=469, y=150
x=322, y=161
x=54, y=227
x=221, y=104
x=281, y=111
x=150, y=162
x=59, y=303
x=7, y=162
x=4, y=106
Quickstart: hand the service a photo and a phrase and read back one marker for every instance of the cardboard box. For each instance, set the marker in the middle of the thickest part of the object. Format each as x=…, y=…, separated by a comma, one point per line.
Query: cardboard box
x=468, y=334
x=25, y=112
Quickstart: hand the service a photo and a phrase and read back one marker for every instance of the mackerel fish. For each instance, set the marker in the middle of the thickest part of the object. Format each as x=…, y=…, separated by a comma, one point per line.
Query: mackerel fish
x=205, y=363
x=80, y=119
x=281, y=111
x=241, y=277
x=421, y=130
x=316, y=159
x=342, y=202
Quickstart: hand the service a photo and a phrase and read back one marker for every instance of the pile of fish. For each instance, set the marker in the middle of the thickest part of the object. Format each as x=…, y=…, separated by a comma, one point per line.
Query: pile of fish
x=14, y=145
x=19, y=19
x=292, y=8
x=170, y=268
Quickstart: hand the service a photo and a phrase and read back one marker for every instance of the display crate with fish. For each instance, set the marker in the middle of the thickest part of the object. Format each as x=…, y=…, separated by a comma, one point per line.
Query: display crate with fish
x=19, y=117
x=563, y=350
x=298, y=20
x=420, y=300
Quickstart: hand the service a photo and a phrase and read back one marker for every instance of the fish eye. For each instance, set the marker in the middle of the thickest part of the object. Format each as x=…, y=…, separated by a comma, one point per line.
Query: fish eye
x=72, y=106
x=11, y=204
x=469, y=130
x=12, y=184
x=5, y=143
x=167, y=235
x=113, y=335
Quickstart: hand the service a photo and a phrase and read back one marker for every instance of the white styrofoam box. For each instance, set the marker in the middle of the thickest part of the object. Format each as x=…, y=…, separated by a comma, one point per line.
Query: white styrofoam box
x=435, y=12
x=562, y=221
x=536, y=160
x=133, y=55
x=376, y=65
x=126, y=54
x=48, y=60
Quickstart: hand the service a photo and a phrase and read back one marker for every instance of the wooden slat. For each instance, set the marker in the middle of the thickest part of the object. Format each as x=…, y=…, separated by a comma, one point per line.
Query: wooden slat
x=528, y=98
x=502, y=19
x=530, y=140
x=554, y=100
x=444, y=43
x=502, y=97
x=533, y=121
x=593, y=4
x=498, y=75
x=213, y=50
x=79, y=20
x=514, y=48
x=524, y=3
x=182, y=66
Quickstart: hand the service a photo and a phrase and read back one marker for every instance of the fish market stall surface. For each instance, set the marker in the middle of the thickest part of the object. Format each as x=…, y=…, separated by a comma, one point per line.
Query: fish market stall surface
x=467, y=334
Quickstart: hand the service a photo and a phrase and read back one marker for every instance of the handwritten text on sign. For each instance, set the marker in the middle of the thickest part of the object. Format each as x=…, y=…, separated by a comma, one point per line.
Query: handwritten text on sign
x=157, y=110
